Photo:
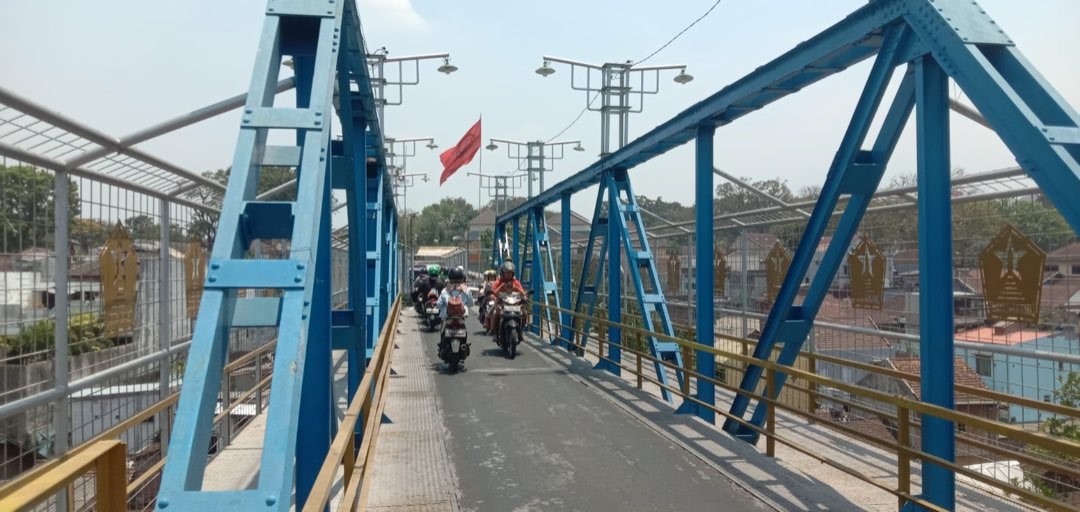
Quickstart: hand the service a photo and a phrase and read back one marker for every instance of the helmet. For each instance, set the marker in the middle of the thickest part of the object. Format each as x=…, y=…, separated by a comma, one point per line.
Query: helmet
x=490, y=274
x=433, y=270
x=507, y=268
x=457, y=275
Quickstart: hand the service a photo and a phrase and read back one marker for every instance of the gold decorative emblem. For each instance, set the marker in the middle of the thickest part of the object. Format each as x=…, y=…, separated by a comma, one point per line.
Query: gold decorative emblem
x=776, y=267
x=674, y=272
x=719, y=269
x=194, y=276
x=867, y=266
x=119, y=282
x=1011, y=268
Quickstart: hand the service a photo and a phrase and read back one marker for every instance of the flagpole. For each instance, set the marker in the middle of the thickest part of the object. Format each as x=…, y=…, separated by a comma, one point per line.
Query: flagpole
x=480, y=179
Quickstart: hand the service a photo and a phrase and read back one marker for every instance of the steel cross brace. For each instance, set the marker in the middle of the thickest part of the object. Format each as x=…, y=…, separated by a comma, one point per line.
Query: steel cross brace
x=311, y=32
x=541, y=269
x=853, y=172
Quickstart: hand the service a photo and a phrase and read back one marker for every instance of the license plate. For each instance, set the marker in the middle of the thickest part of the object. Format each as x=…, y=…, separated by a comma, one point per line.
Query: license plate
x=456, y=333
x=432, y=311
x=512, y=309
x=454, y=345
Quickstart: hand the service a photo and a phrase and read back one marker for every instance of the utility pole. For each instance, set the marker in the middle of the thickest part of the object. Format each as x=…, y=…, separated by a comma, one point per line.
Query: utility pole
x=535, y=155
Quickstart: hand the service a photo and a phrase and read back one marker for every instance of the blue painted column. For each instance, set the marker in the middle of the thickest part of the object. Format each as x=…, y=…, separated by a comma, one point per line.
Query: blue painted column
x=935, y=276
x=614, y=281
x=515, y=248
x=567, y=280
x=703, y=254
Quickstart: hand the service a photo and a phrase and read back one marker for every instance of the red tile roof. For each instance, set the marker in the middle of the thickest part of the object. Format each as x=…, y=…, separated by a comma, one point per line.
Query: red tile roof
x=964, y=375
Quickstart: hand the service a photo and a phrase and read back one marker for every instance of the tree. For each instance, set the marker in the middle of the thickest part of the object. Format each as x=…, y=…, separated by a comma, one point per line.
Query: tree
x=732, y=198
x=203, y=226
x=27, y=208
x=142, y=227
x=89, y=234
x=440, y=223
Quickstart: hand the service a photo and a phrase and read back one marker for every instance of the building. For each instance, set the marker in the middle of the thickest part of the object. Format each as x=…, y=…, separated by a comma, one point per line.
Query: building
x=485, y=222
x=757, y=247
x=444, y=256
x=1064, y=260
x=1035, y=377
x=964, y=402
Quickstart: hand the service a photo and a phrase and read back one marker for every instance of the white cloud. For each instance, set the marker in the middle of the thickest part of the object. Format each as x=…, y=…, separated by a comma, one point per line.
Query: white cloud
x=398, y=14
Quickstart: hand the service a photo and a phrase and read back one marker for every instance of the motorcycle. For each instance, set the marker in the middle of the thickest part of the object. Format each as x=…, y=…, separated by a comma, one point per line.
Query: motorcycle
x=508, y=332
x=431, y=310
x=487, y=305
x=454, y=339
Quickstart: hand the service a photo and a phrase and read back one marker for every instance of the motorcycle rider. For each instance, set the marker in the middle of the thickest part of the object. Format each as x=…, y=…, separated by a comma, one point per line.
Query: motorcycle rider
x=507, y=282
x=435, y=282
x=456, y=288
x=486, y=291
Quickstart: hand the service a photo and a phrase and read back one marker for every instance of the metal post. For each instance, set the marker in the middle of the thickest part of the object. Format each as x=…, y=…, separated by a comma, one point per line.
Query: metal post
x=614, y=282
x=164, y=320
x=903, y=460
x=744, y=249
x=770, y=418
x=935, y=277
x=516, y=247
x=62, y=250
x=706, y=363
x=566, y=270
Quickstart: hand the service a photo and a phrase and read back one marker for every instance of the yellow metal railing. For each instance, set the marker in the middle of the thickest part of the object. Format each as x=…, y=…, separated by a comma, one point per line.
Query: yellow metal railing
x=905, y=411
x=113, y=433
x=368, y=404
x=108, y=461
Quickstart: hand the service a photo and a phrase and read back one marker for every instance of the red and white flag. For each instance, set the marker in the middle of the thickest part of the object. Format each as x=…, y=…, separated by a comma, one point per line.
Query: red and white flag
x=461, y=154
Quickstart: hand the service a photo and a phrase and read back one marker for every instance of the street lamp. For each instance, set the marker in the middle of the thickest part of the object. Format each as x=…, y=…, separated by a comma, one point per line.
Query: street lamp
x=616, y=87
x=499, y=187
x=377, y=61
x=535, y=155
x=447, y=67
x=545, y=70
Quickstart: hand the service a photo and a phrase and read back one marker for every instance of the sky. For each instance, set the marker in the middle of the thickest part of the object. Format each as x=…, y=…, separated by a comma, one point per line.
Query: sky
x=119, y=66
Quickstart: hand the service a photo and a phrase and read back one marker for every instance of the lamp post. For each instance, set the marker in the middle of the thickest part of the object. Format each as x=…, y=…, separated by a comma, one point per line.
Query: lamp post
x=377, y=62
x=407, y=148
x=617, y=85
x=535, y=154
x=499, y=187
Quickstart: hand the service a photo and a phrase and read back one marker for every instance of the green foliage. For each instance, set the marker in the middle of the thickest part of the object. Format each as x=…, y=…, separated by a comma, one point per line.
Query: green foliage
x=90, y=234
x=1048, y=483
x=203, y=225
x=36, y=341
x=27, y=208
x=440, y=223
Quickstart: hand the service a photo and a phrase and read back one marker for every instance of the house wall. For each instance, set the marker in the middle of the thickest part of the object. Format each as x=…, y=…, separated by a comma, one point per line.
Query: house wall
x=1030, y=377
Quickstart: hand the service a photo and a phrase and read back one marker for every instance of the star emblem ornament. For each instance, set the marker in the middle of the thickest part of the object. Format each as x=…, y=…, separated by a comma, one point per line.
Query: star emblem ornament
x=1011, y=268
x=867, y=268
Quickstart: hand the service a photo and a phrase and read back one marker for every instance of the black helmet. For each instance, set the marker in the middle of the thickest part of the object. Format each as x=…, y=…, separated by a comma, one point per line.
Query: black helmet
x=457, y=275
x=507, y=267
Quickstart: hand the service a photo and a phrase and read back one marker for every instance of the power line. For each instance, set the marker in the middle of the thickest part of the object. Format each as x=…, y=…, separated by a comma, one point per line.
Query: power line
x=683, y=31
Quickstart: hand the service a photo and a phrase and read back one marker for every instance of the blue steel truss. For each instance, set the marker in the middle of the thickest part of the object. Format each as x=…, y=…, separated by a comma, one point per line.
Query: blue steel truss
x=324, y=40
x=538, y=268
x=934, y=40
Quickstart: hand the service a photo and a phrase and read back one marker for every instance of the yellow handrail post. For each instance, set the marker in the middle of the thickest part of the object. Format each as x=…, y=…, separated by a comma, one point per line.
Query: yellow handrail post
x=770, y=418
x=638, y=368
x=903, y=460
x=110, y=474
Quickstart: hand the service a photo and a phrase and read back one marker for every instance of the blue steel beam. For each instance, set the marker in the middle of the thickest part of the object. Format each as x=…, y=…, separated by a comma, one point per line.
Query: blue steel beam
x=564, y=290
x=786, y=322
x=313, y=32
x=935, y=277
x=703, y=252
x=855, y=38
x=613, y=363
x=586, y=292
